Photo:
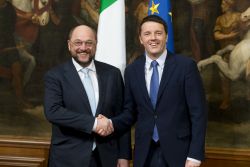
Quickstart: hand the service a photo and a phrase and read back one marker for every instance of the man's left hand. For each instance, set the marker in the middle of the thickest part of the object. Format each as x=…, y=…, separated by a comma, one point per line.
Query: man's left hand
x=192, y=164
x=123, y=163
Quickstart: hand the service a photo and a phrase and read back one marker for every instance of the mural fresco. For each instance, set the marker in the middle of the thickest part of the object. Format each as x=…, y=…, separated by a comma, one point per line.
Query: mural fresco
x=214, y=33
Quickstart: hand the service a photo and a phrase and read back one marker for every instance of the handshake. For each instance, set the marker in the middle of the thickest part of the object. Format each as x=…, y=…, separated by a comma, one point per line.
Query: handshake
x=104, y=126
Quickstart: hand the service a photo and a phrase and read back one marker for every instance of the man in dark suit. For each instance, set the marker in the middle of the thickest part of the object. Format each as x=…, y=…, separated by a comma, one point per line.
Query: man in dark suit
x=165, y=97
x=77, y=91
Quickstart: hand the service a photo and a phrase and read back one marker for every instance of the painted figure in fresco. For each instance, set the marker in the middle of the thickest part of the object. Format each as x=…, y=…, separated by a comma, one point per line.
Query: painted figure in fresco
x=90, y=11
x=51, y=43
x=226, y=31
x=140, y=12
x=238, y=54
x=30, y=15
x=198, y=31
x=10, y=66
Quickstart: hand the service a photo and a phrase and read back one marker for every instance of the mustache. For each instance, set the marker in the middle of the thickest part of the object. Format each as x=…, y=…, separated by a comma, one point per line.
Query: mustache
x=87, y=51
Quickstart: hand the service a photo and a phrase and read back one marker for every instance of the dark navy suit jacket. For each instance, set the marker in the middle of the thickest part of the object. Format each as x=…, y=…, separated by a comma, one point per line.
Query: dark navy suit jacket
x=180, y=114
x=68, y=109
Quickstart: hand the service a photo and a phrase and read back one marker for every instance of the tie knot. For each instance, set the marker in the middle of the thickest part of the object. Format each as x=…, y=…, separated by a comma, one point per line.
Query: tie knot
x=154, y=63
x=85, y=71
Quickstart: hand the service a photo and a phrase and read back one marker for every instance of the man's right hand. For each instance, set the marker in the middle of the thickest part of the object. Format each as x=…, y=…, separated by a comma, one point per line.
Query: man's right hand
x=104, y=126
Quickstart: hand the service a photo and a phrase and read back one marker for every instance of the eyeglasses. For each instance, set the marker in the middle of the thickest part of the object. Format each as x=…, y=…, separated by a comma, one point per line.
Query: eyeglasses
x=87, y=43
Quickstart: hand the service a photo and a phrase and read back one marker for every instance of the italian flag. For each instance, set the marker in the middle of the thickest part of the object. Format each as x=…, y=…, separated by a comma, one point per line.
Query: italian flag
x=111, y=47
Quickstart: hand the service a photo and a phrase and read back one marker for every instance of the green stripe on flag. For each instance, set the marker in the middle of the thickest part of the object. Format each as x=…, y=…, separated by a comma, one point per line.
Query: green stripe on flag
x=105, y=4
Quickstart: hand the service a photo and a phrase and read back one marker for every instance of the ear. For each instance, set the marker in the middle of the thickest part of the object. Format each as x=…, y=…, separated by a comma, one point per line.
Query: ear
x=69, y=45
x=167, y=38
x=140, y=39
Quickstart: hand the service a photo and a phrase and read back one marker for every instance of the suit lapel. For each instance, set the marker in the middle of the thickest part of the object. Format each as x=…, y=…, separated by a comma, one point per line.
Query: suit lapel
x=73, y=78
x=167, y=72
x=102, y=82
x=140, y=75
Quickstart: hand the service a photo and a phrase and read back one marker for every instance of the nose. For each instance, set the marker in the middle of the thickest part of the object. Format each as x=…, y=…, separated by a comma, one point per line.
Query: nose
x=153, y=36
x=83, y=46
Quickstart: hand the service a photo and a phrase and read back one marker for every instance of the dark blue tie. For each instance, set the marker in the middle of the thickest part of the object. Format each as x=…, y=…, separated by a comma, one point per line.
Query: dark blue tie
x=154, y=86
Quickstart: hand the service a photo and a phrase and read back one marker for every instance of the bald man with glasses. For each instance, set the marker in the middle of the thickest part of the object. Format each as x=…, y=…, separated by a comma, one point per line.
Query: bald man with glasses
x=75, y=93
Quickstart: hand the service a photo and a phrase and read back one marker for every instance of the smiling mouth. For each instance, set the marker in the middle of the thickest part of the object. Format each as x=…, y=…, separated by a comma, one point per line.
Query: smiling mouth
x=153, y=44
x=83, y=53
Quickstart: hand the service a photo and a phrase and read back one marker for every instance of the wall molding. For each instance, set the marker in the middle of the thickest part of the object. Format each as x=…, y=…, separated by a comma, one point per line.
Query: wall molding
x=23, y=152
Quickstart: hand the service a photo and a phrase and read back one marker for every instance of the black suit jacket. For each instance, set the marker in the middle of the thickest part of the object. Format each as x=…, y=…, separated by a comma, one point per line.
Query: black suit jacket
x=180, y=113
x=68, y=109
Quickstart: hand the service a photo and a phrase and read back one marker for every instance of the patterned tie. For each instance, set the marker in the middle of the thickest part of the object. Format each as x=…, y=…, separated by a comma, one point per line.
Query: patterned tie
x=154, y=86
x=87, y=83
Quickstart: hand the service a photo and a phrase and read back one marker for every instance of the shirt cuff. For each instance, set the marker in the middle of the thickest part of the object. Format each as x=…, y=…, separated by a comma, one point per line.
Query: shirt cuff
x=194, y=160
x=95, y=125
x=110, y=121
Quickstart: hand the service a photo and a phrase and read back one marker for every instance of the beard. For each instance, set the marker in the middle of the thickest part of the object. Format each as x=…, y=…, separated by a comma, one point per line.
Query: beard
x=83, y=57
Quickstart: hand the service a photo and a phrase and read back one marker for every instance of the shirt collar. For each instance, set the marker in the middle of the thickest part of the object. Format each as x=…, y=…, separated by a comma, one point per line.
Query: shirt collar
x=160, y=60
x=79, y=67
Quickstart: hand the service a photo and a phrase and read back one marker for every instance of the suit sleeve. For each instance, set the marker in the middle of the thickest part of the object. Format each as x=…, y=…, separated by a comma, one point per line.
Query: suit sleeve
x=124, y=138
x=197, y=108
x=127, y=117
x=55, y=110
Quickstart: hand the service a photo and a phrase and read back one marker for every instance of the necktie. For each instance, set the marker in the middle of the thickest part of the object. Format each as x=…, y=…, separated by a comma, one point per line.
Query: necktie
x=87, y=83
x=154, y=86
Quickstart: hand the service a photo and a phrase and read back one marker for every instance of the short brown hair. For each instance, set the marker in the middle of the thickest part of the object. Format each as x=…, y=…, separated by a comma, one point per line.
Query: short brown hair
x=154, y=18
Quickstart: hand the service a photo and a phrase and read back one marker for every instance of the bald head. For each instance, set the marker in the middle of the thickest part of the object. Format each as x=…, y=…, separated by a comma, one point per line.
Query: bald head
x=82, y=28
